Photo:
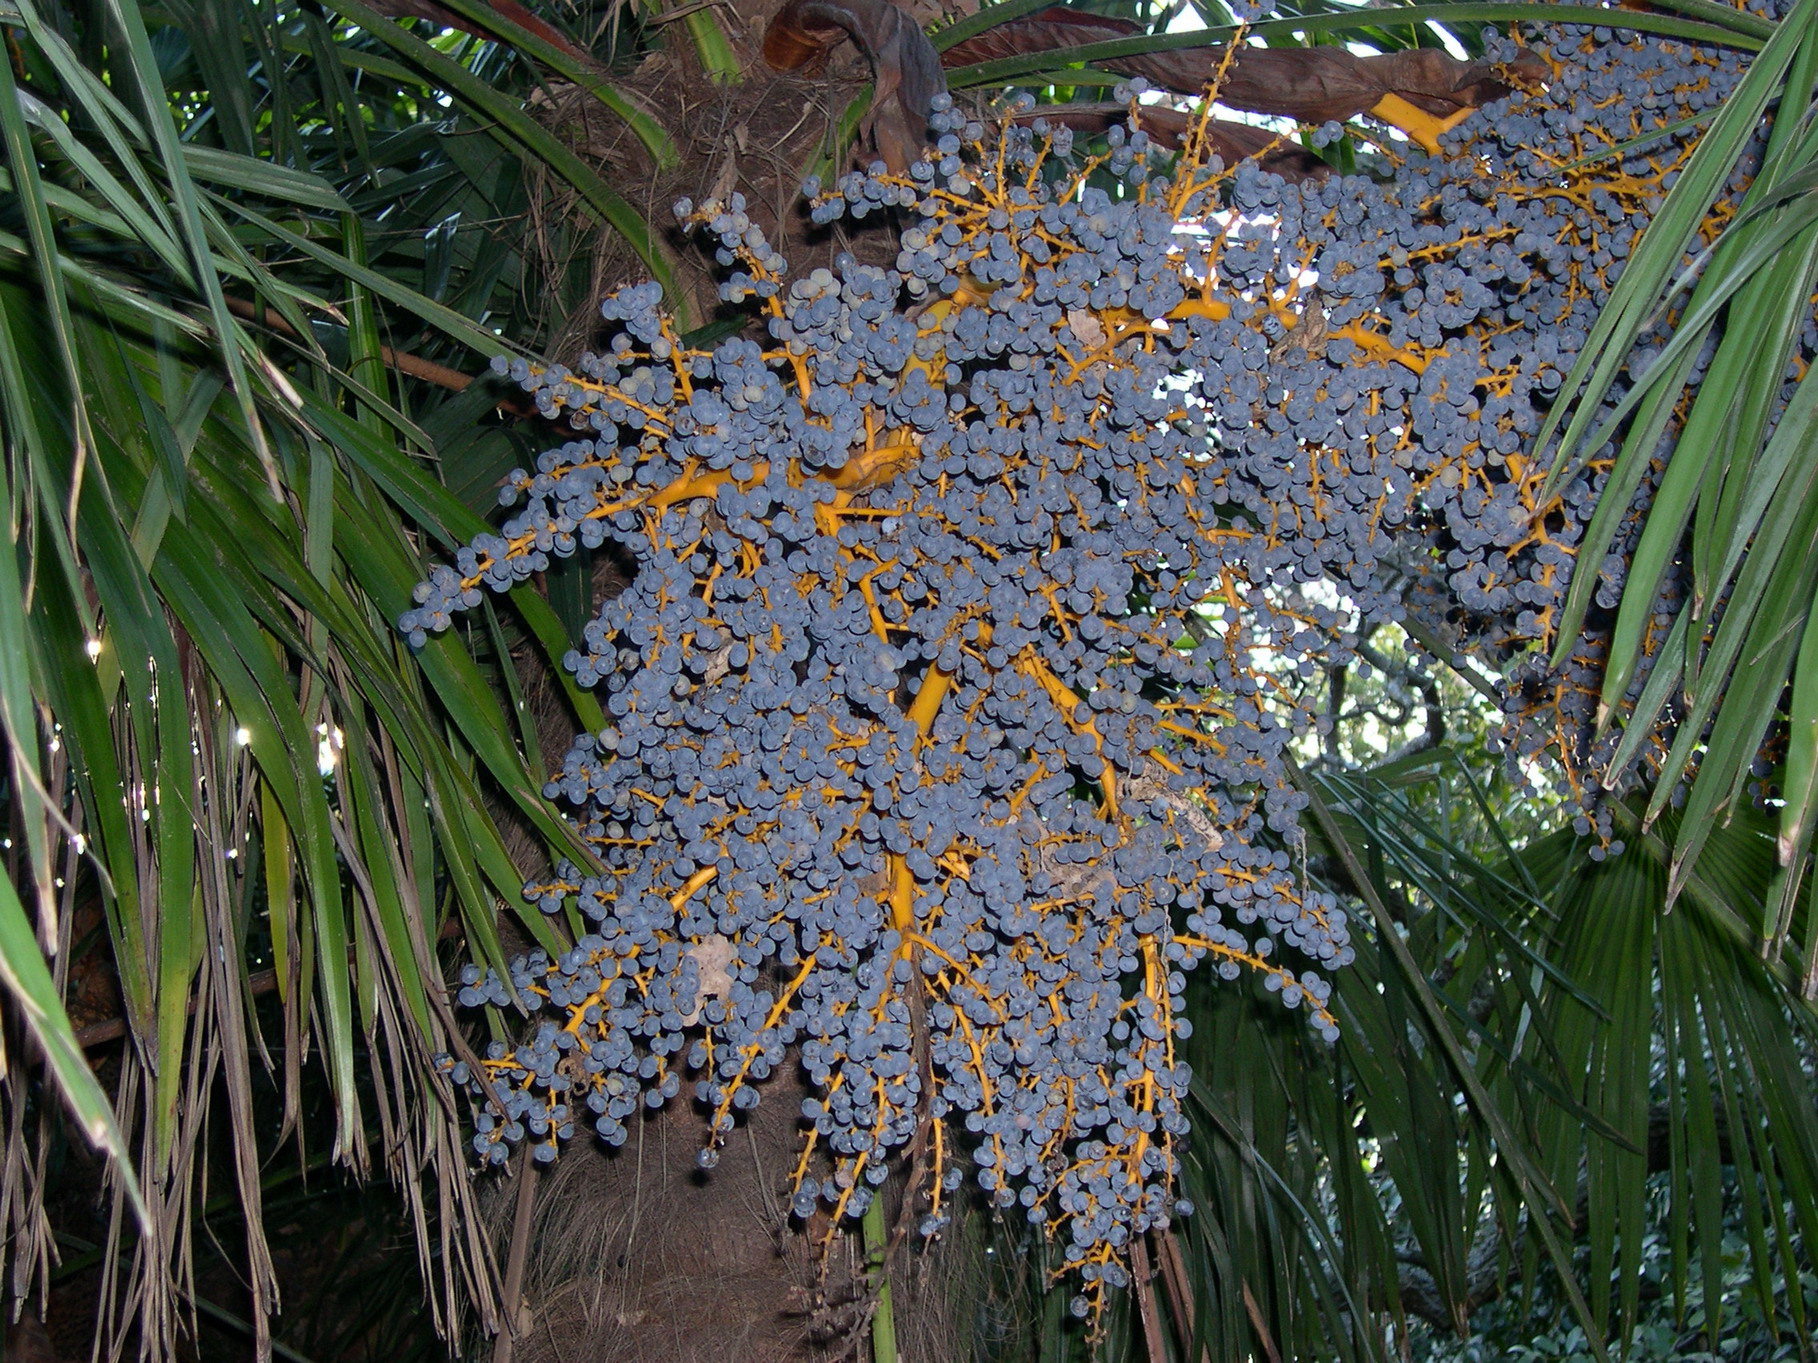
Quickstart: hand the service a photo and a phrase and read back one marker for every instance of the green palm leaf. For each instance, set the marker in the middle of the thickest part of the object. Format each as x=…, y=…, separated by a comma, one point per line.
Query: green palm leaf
x=1624, y=1054
x=215, y=533
x=1727, y=507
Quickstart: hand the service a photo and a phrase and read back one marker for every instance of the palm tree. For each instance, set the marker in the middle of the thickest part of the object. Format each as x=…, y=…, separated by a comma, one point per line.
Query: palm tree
x=252, y=257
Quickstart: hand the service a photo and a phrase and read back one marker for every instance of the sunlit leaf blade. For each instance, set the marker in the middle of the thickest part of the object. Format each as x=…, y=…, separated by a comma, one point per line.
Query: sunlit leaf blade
x=29, y=983
x=1760, y=283
x=1755, y=618
x=1656, y=260
x=215, y=461
x=1749, y=584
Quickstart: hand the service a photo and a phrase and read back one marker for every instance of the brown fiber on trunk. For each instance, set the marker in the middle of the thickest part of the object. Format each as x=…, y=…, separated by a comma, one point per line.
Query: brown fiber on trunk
x=637, y=1256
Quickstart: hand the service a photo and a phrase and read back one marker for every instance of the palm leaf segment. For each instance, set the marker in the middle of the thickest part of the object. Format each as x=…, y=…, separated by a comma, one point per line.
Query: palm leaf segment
x=1534, y=1001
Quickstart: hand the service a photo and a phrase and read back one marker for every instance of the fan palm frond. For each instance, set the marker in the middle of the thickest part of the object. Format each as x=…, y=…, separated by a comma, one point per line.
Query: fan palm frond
x=1535, y=1058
